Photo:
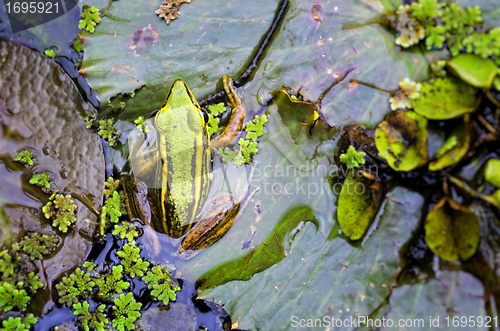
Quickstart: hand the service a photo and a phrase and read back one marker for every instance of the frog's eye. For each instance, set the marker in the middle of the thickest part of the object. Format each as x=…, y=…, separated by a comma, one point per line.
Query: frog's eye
x=205, y=115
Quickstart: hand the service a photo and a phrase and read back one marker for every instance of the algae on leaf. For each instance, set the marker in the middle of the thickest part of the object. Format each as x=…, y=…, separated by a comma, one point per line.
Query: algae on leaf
x=402, y=140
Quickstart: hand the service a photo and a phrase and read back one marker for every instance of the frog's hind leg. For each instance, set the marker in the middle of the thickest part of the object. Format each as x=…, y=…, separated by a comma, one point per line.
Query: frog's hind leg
x=237, y=117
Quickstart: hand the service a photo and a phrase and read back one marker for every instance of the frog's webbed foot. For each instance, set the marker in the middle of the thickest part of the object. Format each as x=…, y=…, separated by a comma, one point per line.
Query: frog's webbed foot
x=237, y=117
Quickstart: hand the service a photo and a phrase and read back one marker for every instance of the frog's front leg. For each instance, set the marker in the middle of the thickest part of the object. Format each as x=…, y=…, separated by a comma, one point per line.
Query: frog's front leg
x=237, y=117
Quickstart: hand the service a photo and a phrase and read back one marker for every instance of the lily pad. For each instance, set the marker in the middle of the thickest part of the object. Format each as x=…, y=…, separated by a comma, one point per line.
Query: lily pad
x=358, y=203
x=349, y=280
x=445, y=98
x=492, y=172
x=402, y=140
x=451, y=295
x=474, y=70
x=454, y=148
x=268, y=253
x=41, y=110
x=452, y=231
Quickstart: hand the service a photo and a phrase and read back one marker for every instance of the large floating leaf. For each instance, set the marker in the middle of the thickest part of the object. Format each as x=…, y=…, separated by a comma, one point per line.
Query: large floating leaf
x=474, y=70
x=452, y=231
x=452, y=295
x=268, y=253
x=445, y=98
x=402, y=140
x=41, y=110
x=454, y=148
x=358, y=203
x=325, y=277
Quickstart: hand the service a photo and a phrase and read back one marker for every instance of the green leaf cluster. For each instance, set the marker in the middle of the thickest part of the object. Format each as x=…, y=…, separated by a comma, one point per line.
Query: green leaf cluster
x=111, y=283
x=61, y=209
x=18, y=324
x=77, y=284
x=90, y=18
x=25, y=157
x=353, y=158
x=126, y=311
x=13, y=296
x=42, y=180
x=248, y=146
x=160, y=281
x=36, y=245
x=90, y=120
x=141, y=126
x=108, y=131
x=8, y=262
x=96, y=319
x=439, y=23
x=131, y=262
x=110, y=212
x=126, y=229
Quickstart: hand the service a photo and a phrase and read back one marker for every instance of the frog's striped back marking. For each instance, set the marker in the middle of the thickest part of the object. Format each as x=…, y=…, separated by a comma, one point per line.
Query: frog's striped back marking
x=183, y=177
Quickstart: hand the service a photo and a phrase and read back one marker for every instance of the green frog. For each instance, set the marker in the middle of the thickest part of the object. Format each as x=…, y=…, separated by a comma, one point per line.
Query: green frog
x=176, y=164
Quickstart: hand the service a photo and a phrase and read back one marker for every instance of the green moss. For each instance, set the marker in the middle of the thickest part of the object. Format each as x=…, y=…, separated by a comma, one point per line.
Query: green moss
x=111, y=283
x=96, y=319
x=41, y=180
x=107, y=131
x=18, y=324
x=131, y=262
x=141, y=126
x=161, y=284
x=353, y=158
x=61, y=209
x=13, y=296
x=126, y=311
x=126, y=229
x=77, y=284
x=90, y=18
x=25, y=157
x=36, y=245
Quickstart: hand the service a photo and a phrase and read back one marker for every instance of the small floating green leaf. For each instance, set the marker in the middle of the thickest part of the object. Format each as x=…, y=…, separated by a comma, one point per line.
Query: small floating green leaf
x=358, y=203
x=453, y=150
x=445, y=98
x=474, y=70
x=50, y=53
x=452, y=231
x=402, y=140
x=492, y=172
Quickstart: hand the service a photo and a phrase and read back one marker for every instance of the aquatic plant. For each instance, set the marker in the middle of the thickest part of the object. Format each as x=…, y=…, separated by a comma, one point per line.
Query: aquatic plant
x=248, y=146
x=24, y=156
x=90, y=18
x=96, y=319
x=160, y=282
x=18, y=324
x=90, y=120
x=77, y=284
x=13, y=296
x=89, y=265
x=141, y=126
x=42, y=180
x=131, y=262
x=8, y=262
x=107, y=131
x=36, y=245
x=111, y=283
x=50, y=53
x=33, y=282
x=352, y=158
x=126, y=229
x=126, y=311
x=61, y=209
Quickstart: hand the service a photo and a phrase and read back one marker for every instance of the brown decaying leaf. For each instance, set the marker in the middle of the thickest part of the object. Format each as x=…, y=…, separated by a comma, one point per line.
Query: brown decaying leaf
x=170, y=9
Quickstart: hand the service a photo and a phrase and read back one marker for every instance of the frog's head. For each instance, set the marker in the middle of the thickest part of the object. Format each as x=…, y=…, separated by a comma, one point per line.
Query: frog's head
x=180, y=109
